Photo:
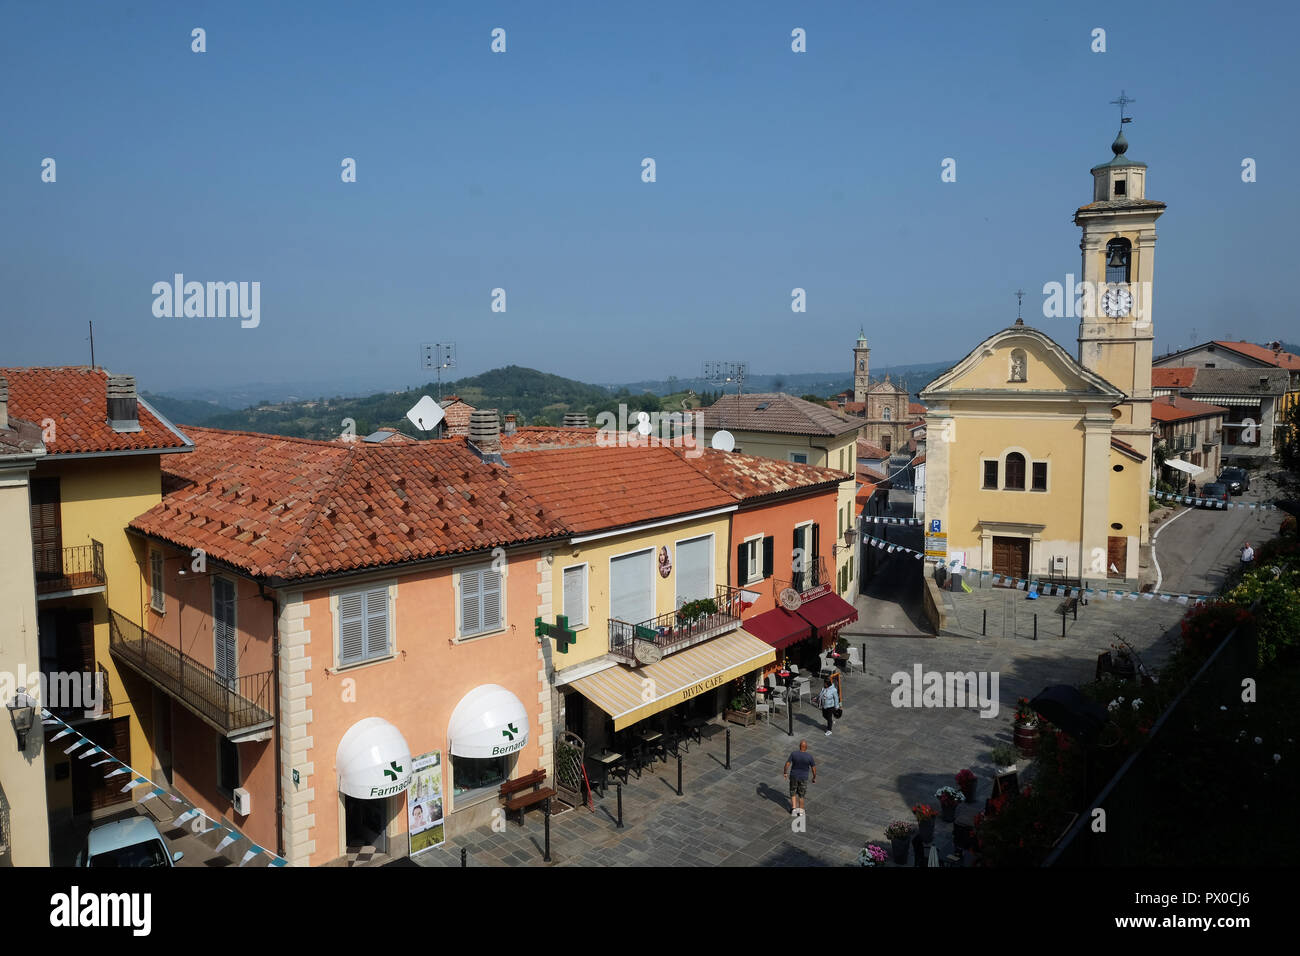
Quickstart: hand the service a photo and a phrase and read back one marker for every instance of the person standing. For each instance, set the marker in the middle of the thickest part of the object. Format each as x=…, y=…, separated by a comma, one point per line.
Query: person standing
x=1191, y=489
x=798, y=767
x=830, y=703
x=1247, y=555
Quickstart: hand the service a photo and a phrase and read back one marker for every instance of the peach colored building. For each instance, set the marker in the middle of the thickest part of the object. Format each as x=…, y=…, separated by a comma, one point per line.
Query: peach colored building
x=343, y=609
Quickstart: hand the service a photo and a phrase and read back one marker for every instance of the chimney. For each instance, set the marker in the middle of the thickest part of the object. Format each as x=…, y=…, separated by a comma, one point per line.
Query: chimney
x=511, y=424
x=4, y=402
x=575, y=420
x=485, y=431
x=123, y=410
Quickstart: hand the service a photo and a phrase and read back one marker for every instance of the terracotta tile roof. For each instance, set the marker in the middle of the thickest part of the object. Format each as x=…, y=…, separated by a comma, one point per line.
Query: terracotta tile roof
x=1172, y=408
x=390, y=436
x=916, y=408
x=289, y=508
x=777, y=412
x=1127, y=449
x=1172, y=377
x=919, y=459
x=76, y=398
x=870, y=475
x=458, y=413
x=868, y=449
x=864, y=494
x=1263, y=353
x=536, y=437
x=854, y=408
x=747, y=477
x=1123, y=204
x=593, y=489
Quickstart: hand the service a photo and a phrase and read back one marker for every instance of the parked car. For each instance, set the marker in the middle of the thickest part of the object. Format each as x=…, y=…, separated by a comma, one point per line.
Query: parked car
x=1214, y=495
x=133, y=842
x=1236, y=479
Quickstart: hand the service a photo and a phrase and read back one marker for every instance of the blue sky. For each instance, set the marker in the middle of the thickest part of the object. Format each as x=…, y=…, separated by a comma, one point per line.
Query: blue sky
x=522, y=171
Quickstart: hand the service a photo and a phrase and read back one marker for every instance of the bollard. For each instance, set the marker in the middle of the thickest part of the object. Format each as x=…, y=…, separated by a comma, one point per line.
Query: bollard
x=463, y=853
x=679, y=775
x=985, y=628
x=727, y=766
x=789, y=712
x=620, y=806
x=1063, y=625
x=547, y=809
x=1035, y=627
x=864, y=657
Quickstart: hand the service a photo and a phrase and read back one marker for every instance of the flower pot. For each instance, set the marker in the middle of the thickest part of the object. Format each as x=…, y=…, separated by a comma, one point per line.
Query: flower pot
x=926, y=829
x=899, y=846
x=968, y=790
x=1025, y=738
x=948, y=812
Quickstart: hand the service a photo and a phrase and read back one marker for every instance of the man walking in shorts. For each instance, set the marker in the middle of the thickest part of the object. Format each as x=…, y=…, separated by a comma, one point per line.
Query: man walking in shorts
x=800, y=767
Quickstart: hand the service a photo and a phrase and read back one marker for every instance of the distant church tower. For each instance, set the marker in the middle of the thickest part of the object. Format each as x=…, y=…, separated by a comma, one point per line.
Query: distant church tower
x=861, y=368
x=1115, y=325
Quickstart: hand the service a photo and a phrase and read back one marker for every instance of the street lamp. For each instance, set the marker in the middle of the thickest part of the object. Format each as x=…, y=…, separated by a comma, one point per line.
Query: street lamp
x=22, y=712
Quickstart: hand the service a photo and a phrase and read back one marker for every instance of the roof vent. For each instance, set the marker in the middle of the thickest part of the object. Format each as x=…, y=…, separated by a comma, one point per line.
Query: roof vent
x=485, y=434
x=575, y=419
x=123, y=410
x=761, y=405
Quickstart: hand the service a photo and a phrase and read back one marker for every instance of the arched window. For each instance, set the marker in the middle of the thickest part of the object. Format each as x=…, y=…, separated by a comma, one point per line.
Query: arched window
x=1015, y=472
x=885, y=413
x=1019, y=366
x=1118, y=258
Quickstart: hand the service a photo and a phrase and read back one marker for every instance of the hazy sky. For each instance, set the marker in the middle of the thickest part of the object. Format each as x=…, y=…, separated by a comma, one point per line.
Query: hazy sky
x=523, y=171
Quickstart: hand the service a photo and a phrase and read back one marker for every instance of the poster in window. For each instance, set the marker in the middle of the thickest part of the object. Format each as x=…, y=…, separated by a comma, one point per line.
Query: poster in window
x=424, y=817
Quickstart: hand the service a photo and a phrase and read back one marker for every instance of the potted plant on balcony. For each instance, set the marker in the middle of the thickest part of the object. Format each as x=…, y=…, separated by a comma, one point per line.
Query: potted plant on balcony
x=899, y=835
x=1004, y=758
x=741, y=708
x=693, y=611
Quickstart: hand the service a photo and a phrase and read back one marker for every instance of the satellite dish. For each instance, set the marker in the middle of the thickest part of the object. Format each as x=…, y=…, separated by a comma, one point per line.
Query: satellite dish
x=426, y=415
x=790, y=599
x=723, y=440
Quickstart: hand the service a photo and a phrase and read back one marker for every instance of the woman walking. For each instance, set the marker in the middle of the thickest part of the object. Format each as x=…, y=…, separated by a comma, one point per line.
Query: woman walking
x=830, y=701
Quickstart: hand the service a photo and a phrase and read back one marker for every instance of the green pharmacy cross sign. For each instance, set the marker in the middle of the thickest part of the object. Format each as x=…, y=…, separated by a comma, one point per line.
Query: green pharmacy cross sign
x=560, y=630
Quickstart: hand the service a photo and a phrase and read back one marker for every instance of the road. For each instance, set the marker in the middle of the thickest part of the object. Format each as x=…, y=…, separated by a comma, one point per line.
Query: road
x=1199, y=547
x=890, y=605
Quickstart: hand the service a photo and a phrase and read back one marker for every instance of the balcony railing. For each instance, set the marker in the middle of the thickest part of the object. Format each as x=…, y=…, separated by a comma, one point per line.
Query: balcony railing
x=813, y=575
x=65, y=570
x=231, y=706
x=672, y=632
x=69, y=696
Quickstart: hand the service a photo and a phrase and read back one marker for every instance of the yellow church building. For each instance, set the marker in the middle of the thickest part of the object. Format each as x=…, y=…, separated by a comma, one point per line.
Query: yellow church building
x=1039, y=463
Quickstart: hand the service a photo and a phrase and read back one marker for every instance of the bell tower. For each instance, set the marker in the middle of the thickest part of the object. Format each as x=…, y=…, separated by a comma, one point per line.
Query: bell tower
x=861, y=368
x=1116, y=333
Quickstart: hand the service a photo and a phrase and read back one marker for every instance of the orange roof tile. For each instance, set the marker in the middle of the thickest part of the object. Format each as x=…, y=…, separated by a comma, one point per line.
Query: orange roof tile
x=747, y=477
x=916, y=408
x=1173, y=408
x=595, y=488
x=868, y=449
x=75, y=398
x=1122, y=446
x=1172, y=377
x=1263, y=353
x=290, y=508
x=535, y=437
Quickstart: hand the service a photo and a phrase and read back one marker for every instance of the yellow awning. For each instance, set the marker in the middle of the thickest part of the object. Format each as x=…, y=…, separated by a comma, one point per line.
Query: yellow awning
x=622, y=692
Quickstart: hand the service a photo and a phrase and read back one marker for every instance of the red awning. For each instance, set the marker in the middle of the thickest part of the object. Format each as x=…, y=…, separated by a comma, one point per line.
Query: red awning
x=828, y=613
x=777, y=627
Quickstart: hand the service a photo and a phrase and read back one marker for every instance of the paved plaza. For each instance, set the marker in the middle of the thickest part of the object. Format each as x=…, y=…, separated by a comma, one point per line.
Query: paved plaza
x=880, y=760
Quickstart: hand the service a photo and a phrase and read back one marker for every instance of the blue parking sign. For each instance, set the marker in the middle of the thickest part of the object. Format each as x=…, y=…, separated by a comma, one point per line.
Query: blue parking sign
x=934, y=525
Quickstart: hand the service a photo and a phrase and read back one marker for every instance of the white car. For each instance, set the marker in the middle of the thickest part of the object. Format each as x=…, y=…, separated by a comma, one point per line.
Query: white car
x=133, y=842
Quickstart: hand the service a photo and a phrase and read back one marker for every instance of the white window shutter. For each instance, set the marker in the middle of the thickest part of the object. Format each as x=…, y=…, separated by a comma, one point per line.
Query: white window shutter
x=376, y=623
x=470, y=618
x=491, y=600
x=351, y=628
x=575, y=596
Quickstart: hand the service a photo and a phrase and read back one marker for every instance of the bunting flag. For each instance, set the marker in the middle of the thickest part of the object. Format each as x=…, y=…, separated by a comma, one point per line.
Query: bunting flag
x=138, y=780
x=1021, y=584
x=1219, y=502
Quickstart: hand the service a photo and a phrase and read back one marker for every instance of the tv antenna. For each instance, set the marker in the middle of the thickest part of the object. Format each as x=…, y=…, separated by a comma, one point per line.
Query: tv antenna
x=439, y=356
x=723, y=374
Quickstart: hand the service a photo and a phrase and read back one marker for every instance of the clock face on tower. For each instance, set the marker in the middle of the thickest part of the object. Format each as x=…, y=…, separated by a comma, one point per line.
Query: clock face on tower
x=1117, y=302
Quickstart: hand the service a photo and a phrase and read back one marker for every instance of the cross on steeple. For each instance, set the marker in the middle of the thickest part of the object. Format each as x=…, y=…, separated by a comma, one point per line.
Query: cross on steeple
x=1122, y=102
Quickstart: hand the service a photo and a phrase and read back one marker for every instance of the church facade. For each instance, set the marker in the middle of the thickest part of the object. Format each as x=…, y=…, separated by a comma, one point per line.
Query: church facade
x=1039, y=463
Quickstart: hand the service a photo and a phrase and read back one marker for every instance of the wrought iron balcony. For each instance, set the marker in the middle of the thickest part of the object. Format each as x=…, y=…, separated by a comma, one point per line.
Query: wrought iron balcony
x=675, y=631
x=63, y=572
x=234, y=707
x=812, y=576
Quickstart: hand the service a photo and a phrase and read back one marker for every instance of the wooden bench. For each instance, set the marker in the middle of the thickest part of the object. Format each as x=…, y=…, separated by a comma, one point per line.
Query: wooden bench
x=518, y=796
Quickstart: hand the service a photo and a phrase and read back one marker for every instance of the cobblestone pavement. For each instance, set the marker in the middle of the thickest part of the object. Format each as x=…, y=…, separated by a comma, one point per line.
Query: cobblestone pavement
x=880, y=760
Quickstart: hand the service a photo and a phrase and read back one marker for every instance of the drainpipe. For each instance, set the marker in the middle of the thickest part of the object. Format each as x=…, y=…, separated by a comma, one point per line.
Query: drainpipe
x=275, y=685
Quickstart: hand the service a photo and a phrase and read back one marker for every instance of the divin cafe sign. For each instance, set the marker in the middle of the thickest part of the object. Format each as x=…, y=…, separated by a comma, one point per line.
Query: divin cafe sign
x=694, y=690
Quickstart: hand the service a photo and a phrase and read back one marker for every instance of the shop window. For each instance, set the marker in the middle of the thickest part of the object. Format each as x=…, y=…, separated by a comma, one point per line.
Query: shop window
x=470, y=774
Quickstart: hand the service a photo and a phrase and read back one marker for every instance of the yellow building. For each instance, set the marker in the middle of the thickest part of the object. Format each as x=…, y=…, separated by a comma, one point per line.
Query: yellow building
x=1039, y=464
x=24, y=830
x=780, y=426
x=101, y=471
